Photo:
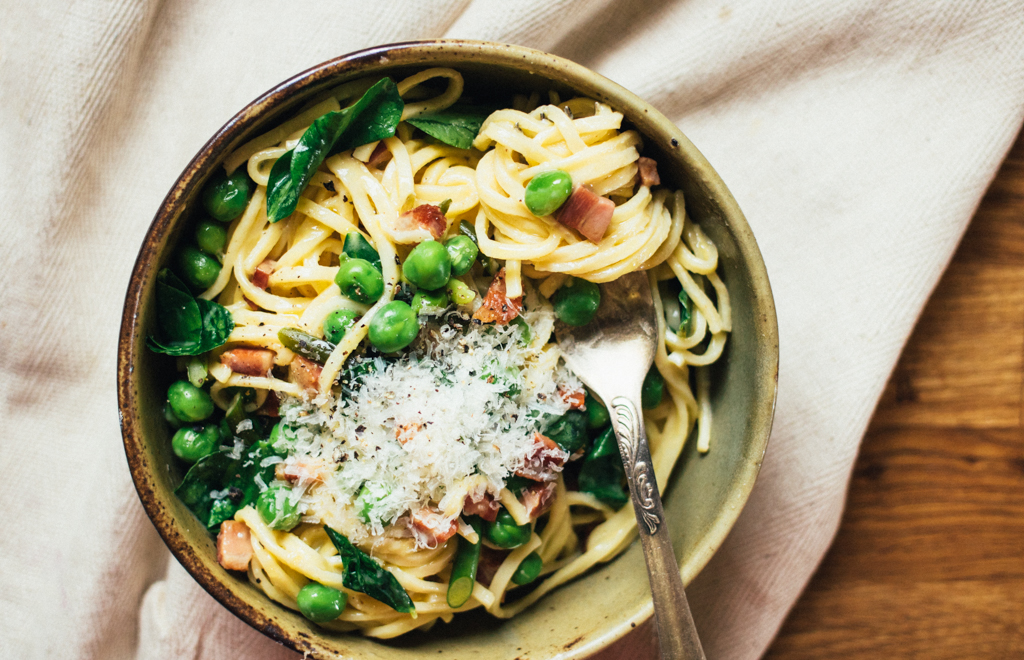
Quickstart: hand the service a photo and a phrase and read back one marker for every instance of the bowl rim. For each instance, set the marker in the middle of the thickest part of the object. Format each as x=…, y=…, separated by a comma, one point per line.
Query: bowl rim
x=130, y=340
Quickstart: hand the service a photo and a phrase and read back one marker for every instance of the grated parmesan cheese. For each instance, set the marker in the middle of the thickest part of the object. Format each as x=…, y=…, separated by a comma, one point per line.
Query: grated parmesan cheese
x=455, y=415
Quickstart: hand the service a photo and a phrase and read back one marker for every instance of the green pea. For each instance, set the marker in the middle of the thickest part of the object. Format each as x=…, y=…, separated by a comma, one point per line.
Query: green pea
x=277, y=509
x=576, y=303
x=282, y=433
x=463, y=253
x=569, y=431
x=358, y=247
x=505, y=533
x=460, y=292
x=320, y=603
x=359, y=280
x=188, y=402
x=225, y=197
x=423, y=299
x=169, y=416
x=337, y=324
x=193, y=442
x=546, y=192
x=211, y=237
x=428, y=266
x=197, y=268
x=529, y=569
x=597, y=414
x=653, y=389
x=394, y=327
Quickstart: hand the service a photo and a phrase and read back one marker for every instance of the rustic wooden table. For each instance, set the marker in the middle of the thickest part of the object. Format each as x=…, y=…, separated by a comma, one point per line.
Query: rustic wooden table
x=929, y=560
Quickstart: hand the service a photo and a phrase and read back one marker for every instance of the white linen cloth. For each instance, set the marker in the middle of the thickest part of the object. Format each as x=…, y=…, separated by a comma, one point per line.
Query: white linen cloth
x=858, y=137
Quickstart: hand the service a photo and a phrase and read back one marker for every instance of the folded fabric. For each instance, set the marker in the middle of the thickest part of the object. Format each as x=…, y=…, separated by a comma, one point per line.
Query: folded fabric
x=858, y=136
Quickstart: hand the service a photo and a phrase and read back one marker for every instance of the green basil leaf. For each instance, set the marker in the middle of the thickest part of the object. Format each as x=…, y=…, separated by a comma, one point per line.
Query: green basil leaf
x=365, y=575
x=373, y=117
x=457, y=125
x=217, y=486
x=188, y=325
x=282, y=193
x=602, y=473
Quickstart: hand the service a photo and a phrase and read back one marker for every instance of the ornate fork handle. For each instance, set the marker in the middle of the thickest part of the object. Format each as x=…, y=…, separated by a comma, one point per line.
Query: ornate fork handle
x=677, y=636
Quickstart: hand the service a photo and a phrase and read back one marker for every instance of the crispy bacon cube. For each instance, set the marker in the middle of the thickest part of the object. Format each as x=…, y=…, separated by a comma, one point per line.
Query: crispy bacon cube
x=249, y=361
x=430, y=528
x=648, y=171
x=484, y=506
x=422, y=223
x=543, y=460
x=497, y=307
x=234, y=548
x=380, y=155
x=261, y=277
x=301, y=471
x=577, y=399
x=588, y=213
x=305, y=373
x=537, y=499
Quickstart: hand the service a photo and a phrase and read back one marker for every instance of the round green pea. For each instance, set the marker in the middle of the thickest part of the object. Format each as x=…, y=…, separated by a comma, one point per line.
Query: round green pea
x=169, y=416
x=428, y=266
x=505, y=533
x=280, y=432
x=597, y=414
x=460, y=292
x=394, y=327
x=197, y=268
x=188, y=402
x=529, y=569
x=546, y=192
x=277, y=509
x=337, y=324
x=225, y=197
x=576, y=303
x=359, y=280
x=652, y=390
x=211, y=237
x=423, y=299
x=463, y=253
x=191, y=443
x=320, y=603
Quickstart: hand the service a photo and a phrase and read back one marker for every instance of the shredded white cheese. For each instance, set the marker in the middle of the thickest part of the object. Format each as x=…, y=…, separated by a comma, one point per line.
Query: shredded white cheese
x=457, y=414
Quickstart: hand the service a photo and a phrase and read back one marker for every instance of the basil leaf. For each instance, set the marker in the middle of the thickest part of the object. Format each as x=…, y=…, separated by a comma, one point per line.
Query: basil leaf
x=374, y=116
x=602, y=473
x=365, y=575
x=217, y=486
x=188, y=325
x=457, y=125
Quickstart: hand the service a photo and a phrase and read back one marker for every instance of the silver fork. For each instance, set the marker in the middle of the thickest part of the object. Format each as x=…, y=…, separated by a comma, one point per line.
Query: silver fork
x=611, y=355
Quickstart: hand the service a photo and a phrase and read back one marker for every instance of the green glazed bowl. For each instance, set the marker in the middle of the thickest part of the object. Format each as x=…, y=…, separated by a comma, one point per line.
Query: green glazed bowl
x=706, y=493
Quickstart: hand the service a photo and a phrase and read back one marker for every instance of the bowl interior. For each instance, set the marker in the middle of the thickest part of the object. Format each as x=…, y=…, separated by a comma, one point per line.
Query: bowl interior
x=706, y=492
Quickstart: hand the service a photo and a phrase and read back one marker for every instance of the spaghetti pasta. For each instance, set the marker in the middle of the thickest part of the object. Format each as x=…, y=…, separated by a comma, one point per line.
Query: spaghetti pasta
x=414, y=490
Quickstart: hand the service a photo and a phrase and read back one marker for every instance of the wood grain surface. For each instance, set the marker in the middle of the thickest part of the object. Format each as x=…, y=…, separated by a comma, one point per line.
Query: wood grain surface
x=929, y=560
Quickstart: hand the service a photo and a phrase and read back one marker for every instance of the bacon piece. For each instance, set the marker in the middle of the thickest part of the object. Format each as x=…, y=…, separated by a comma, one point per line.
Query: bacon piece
x=537, y=499
x=305, y=373
x=261, y=277
x=251, y=305
x=406, y=432
x=430, y=528
x=490, y=561
x=484, y=506
x=380, y=155
x=543, y=459
x=422, y=223
x=497, y=306
x=249, y=361
x=587, y=212
x=301, y=471
x=234, y=548
x=577, y=399
x=648, y=171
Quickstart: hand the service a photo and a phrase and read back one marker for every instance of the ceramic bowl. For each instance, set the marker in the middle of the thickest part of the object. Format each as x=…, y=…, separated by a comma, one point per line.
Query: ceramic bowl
x=706, y=493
